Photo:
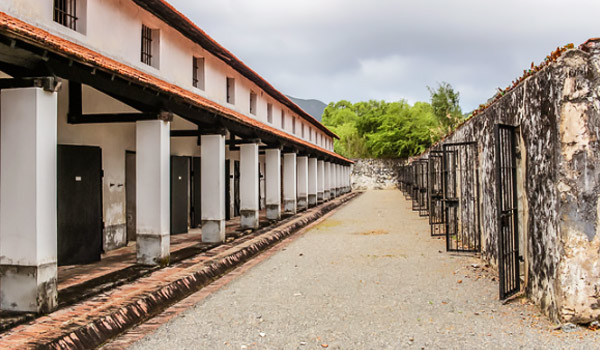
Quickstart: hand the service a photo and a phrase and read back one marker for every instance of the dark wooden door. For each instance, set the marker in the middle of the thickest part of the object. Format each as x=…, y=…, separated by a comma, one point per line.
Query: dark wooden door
x=236, y=188
x=196, y=192
x=180, y=179
x=79, y=207
x=227, y=190
x=130, y=196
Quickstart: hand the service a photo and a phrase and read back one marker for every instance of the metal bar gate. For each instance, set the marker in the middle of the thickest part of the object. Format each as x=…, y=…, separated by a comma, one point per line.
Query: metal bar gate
x=436, y=194
x=508, y=235
x=423, y=169
x=461, y=197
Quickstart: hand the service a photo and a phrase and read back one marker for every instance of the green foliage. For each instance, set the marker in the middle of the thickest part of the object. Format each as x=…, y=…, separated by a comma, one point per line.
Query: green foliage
x=378, y=129
x=445, y=103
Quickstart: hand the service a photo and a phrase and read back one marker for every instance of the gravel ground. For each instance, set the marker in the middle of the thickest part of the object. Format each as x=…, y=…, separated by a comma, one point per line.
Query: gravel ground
x=368, y=277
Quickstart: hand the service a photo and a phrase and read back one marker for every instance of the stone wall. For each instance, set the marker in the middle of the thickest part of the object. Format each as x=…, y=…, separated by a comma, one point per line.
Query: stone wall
x=557, y=112
x=375, y=174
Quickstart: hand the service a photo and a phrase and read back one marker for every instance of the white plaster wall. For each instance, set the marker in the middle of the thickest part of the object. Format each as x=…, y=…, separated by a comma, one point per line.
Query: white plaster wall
x=123, y=44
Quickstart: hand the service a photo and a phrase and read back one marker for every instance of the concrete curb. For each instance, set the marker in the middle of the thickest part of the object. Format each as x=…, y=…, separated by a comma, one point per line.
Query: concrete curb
x=93, y=334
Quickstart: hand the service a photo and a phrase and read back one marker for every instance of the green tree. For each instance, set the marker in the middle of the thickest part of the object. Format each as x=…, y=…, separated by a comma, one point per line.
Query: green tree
x=446, y=106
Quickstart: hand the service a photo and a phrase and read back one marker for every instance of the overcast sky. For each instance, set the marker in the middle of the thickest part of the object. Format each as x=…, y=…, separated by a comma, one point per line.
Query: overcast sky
x=393, y=49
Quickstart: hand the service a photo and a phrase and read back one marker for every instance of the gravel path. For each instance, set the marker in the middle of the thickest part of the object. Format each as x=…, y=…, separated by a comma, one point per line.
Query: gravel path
x=369, y=277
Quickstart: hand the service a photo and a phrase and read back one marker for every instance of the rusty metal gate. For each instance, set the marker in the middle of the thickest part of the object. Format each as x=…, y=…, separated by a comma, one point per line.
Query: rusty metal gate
x=508, y=235
x=461, y=197
x=435, y=194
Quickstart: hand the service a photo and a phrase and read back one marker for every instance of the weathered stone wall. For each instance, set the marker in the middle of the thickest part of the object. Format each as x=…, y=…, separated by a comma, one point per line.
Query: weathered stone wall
x=375, y=174
x=557, y=112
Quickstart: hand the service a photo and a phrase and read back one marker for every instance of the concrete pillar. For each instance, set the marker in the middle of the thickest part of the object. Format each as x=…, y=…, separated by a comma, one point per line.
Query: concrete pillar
x=327, y=182
x=249, y=186
x=320, y=181
x=302, y=182
x=152, y=192
x=28, y=219
x=289, y=183
x=273, y=183
x=312, y=182
x=212, y=185
x=334, y=181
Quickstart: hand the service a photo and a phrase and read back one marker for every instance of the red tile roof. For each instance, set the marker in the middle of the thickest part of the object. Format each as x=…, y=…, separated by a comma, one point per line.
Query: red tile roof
x=185, y=26
x=30, y=33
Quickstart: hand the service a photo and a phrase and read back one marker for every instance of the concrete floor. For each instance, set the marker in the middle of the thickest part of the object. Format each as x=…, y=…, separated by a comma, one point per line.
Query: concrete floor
x=368, y=277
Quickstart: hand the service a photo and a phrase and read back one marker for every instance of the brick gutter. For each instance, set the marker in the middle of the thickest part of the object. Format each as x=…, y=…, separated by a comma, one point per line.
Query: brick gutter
x=138, y=304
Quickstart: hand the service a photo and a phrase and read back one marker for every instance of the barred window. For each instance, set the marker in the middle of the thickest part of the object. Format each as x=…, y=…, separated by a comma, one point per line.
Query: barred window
x=65, y=13
x=146, y=45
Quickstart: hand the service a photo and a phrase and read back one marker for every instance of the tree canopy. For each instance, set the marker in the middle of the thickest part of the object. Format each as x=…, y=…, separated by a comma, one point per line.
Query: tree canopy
x=379, y=129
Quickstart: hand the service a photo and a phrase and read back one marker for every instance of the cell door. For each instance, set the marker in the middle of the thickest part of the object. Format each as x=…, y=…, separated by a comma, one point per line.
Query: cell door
x=461, y=197
x=130, y=195
x=196, y=193
x=79, y=207
x=236, y=188
x=227, y=190
x=508, y=235
x=435, y=194
x=180, y=195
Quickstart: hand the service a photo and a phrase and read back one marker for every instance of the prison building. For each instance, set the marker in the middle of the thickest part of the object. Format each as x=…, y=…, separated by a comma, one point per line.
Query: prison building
x=121, y=121
x=520, y=183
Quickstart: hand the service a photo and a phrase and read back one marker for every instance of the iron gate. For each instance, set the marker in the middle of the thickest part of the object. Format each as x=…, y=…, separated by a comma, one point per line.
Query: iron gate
x=508, y=236
x=436, y=194
x=461, y=197
x=422, y=169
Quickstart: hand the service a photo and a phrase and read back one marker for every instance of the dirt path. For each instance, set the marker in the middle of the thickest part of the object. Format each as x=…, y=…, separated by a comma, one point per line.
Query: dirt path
x=369, y=277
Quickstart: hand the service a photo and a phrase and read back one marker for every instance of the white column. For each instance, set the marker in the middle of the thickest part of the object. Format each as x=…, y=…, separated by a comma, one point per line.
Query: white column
x=28, y=217
x=212, y=184
x=289, y=183
x=249, y=185
x=337, y=180
x=302, y=182
x=152, y=191
x=320, y=180
x=273, y=183
x=327, y=182
x=312, y=182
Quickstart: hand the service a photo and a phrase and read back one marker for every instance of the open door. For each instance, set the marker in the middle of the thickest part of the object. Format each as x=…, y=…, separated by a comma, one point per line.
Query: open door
x=79, y=207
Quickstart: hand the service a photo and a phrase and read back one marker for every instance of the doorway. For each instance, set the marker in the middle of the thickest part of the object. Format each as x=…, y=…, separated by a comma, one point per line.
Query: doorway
x=79, y=204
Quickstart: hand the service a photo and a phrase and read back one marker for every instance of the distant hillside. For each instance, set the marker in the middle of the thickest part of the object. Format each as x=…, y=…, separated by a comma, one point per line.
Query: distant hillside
x=313, y=107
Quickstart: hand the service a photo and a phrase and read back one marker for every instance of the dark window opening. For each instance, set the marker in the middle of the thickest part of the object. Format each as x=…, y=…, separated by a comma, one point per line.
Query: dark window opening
x=282, y=120
x=231, y=90
x=198, y=73
x=146, y=45
x=270, y=113
x=65, y=13
x=252, y=103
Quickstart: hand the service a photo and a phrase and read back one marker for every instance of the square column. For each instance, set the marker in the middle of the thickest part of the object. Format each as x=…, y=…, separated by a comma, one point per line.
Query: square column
x=320, y=180
x=28, y=215
x=312, y=182
x=153, y=225
x=249, y=195
x=327, y=182
x=273, y=183
x=302, y=182
x=212, y=184
x=289, y=183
